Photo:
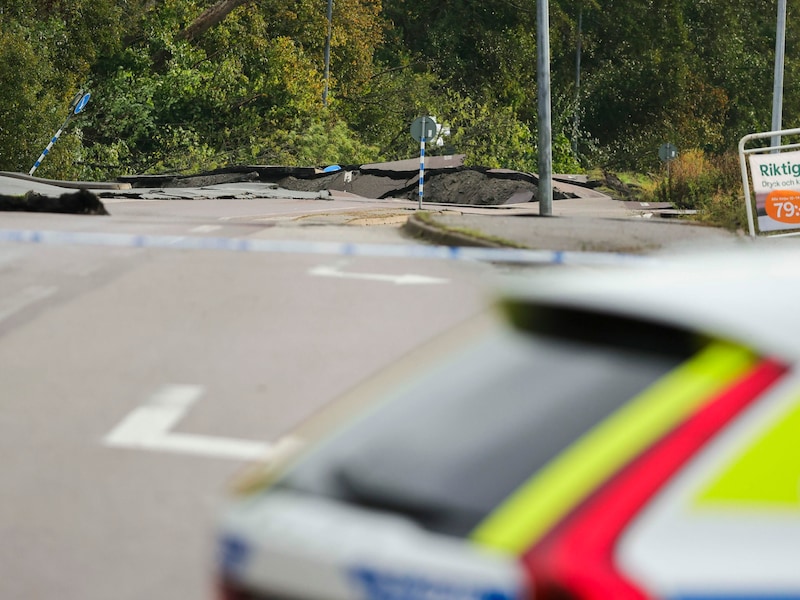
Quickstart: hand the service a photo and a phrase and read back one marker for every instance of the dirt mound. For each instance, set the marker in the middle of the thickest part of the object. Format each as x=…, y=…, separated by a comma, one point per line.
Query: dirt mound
x=479, y=187
x=619, y=188
x=476, y=189
x=82, y=202
x=316, y=184
x=447, y=181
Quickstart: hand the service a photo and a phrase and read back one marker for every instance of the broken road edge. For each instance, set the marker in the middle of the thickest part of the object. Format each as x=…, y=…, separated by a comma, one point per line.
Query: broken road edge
x=423, y=225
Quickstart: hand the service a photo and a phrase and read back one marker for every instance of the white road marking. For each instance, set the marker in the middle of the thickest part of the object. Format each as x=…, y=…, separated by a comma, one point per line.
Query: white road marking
x=148, y=427
x=205, y=228
x=12, y=304
x=290, y=216
x=407, y=279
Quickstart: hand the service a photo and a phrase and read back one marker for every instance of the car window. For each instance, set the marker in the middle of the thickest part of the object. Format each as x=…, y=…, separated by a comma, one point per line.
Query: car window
x=448, y=447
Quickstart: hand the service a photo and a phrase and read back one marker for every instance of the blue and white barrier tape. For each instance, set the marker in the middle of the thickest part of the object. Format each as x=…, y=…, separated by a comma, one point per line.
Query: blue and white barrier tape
x=499, y=255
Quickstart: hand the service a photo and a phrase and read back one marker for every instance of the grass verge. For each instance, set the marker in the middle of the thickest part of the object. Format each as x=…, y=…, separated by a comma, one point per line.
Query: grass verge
x=482, y=238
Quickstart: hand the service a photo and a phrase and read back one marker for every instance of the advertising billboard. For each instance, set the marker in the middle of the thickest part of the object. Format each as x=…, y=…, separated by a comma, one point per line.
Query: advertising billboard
x=776, y=182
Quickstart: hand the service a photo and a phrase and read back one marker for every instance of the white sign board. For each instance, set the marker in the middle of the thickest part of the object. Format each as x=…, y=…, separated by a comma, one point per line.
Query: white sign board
x=776, y=183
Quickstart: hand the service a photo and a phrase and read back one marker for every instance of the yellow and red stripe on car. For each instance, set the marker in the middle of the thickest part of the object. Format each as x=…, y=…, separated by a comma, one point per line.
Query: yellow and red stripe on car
x=553, y=492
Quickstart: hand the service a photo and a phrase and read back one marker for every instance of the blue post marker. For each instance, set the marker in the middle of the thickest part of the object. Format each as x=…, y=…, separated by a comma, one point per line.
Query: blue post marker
x=419, y=131
x=49, y=146
x=77, y=106
x=421, y=164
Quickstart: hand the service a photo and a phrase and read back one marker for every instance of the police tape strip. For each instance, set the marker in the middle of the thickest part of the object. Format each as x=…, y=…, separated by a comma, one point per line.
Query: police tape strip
x=499, y=255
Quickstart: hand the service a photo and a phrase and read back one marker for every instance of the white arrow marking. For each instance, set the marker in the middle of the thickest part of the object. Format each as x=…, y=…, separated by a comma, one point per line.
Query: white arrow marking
x=205, y=228
x=407, y=279
x=148, y=428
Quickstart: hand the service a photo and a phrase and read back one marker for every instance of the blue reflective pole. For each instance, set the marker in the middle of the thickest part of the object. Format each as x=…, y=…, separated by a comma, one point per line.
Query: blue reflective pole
x=46, y=151
x=422, y=163
x=76, y=106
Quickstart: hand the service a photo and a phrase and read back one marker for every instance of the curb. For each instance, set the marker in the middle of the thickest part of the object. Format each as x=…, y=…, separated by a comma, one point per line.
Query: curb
x=89, y=185
x=444, y=237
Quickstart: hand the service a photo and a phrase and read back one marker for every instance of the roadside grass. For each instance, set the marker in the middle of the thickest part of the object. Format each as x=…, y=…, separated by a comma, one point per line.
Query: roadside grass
x=644, y=181
x=695, y=181
x=624, y=185
x=428, y=219
x=711, y=185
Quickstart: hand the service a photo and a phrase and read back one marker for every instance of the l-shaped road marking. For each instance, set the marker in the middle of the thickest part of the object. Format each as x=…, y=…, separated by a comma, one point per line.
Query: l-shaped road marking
x=149, y=427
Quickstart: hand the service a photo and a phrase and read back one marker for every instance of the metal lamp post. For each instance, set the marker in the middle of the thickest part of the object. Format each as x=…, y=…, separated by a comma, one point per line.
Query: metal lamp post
x=545, y=191
x=328, y=53
x=576, y=115
x=777, y=94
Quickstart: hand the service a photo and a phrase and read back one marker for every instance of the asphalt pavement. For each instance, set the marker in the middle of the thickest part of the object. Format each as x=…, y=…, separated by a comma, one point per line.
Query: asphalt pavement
x=583, y=219
x=141, y=370
x=141, y=375
x=592, y=222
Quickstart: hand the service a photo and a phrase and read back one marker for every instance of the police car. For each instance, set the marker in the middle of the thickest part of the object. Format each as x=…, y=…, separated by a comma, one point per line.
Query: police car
x=620, y=433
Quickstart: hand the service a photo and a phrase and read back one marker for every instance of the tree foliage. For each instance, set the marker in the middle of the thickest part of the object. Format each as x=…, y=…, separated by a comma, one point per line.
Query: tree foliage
x=182, y=85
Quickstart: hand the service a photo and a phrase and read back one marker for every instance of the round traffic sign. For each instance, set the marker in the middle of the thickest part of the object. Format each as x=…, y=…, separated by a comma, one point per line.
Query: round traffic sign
x=426, y=126
x=82, y=103
x=667, y=152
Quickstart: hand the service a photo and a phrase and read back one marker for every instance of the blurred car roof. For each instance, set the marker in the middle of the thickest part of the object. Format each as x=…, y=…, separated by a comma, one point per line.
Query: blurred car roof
x=741, y=292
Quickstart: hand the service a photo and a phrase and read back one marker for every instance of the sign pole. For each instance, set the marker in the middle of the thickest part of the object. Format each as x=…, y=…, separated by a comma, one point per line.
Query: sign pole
x=420, y=132
x=76, y=107
x=421, y=164
x=46, y=151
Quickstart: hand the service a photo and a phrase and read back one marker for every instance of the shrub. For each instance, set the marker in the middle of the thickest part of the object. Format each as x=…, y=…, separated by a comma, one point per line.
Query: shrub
x=711, y=185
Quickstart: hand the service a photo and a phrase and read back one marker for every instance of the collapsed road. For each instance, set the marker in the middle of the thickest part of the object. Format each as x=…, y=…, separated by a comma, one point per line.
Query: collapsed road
x=447, y=181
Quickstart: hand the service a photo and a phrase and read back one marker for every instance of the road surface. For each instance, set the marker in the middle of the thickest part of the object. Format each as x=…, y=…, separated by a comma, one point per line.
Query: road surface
x=139, y=380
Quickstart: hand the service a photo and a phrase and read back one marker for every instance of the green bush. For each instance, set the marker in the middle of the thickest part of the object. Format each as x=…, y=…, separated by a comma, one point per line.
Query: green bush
x=711, y=185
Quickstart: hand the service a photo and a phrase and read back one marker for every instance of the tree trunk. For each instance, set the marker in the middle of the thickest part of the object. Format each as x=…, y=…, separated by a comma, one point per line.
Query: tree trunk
x=212, y=16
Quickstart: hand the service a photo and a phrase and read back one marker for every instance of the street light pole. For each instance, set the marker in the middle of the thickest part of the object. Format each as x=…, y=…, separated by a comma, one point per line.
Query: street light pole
x=576, y=115
x=328, y=53
x=545, y=191
x=777, y=93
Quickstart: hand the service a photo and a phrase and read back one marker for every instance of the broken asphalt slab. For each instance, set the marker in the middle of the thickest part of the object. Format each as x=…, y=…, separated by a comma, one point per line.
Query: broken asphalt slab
x=447, y=181
x=495, y=207
x=625, y=233
x=82, y=202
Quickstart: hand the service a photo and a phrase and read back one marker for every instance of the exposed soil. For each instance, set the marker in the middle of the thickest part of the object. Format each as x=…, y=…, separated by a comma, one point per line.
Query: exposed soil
x=447, y=181
x=303, y=184
x=82, y=202
x=620, y=189
x=474, y=188
x=452, y=186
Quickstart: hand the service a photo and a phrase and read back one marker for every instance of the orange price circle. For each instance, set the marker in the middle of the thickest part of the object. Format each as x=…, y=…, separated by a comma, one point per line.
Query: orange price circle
x=784, y=206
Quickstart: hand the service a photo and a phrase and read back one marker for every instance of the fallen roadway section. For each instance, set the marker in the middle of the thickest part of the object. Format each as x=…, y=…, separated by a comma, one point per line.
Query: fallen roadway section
x=447, y=181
